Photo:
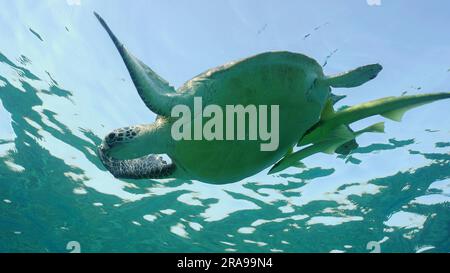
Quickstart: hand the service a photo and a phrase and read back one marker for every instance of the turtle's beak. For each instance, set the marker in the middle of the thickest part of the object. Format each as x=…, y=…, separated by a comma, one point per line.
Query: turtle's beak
x=120, y=149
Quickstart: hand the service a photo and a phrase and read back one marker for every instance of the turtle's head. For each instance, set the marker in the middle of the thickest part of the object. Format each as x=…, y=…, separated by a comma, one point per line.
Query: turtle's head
x=120, y=143
x=134, y=153
x=132, y=142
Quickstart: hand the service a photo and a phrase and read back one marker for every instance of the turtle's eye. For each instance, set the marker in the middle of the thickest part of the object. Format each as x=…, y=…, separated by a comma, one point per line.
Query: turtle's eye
x=314, y=83
x=311, y=87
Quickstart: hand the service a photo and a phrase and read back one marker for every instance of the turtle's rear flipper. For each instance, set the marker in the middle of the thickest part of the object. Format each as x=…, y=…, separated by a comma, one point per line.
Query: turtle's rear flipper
x=354, y=77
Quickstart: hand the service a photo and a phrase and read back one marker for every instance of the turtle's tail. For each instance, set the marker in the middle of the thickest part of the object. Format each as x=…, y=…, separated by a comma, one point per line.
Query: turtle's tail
x=149, y=166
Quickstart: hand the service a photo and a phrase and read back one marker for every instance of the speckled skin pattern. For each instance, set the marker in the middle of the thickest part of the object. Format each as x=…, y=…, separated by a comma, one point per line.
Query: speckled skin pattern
x=121, y=134
x=149, y=166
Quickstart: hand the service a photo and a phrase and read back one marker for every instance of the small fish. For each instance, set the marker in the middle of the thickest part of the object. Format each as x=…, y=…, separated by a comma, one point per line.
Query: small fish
x=24, y=60
x=262, y=29
x=319, y=27
x=328, y=57
x=51, y=78
x=36, y=34
x=315, y=29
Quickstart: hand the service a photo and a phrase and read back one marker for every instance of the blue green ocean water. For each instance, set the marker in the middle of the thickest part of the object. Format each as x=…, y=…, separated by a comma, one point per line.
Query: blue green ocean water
x=63, y=87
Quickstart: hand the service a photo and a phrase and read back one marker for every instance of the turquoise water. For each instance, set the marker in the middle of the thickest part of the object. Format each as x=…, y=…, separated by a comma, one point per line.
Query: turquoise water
x=63, y=87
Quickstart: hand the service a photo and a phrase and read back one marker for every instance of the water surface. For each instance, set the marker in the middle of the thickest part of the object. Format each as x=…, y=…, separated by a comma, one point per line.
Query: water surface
x=63, y=87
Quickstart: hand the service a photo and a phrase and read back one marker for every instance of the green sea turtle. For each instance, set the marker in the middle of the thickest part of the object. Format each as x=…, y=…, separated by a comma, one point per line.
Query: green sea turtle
x=292, y=81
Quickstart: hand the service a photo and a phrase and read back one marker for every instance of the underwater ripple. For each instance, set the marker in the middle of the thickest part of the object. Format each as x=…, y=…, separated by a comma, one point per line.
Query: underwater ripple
x=46, y=201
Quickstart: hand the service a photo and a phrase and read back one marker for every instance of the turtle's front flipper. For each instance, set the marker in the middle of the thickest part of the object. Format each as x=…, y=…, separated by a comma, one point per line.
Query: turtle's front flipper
x=156, y=93
x=354, y=77
x=149, y=166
